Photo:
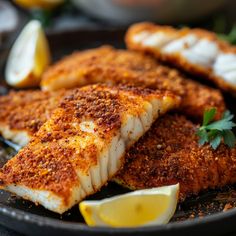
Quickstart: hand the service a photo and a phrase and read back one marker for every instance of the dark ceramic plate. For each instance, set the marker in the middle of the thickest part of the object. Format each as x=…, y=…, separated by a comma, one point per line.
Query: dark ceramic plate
x=207, y=214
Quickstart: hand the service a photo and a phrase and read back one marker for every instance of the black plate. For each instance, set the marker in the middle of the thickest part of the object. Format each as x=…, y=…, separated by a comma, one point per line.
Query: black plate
x=205, y=214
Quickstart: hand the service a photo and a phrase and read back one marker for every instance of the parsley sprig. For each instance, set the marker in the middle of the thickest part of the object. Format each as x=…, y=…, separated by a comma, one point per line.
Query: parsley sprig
x=230, y=37
x=216, y=131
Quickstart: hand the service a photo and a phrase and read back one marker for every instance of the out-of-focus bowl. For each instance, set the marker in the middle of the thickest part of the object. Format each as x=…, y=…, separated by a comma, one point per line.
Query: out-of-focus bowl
x=160, y=11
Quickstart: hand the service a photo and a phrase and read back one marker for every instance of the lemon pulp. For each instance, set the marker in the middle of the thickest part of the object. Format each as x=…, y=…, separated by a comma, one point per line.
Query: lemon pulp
x=87, y=212
x=133, y=210
x=42, y=55
x=139, y=208
x=28, y=58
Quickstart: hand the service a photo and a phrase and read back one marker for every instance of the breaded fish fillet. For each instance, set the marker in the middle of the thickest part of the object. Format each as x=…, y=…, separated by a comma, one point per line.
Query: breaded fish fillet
x=96, y=65
x=83, y=144
x=169, y=153
x=23, y=113
x=196, y=51
x=112, y=66
x=195, y=98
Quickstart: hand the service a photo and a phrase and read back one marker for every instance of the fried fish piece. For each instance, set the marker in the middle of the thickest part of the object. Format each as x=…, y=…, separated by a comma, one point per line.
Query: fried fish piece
x=83, y=144
x=169, y=153
x=196, y=51
x=22, y=113
x=195, y=98
x=112, y=66
x=103, y=64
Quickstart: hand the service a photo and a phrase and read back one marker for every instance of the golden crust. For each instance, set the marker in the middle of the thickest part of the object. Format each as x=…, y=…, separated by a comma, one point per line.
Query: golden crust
x=175, y=58
x=195, y=98
x=112, y=66
x=169, y=153
x=28, y=110
x=61, y=148
x=96, y=65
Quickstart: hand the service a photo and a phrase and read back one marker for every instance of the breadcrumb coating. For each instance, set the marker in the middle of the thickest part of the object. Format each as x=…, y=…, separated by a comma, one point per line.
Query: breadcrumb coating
x=169, y=153
x=220, y=67
x=28, y=110
x=64, y=158
x=112, y=66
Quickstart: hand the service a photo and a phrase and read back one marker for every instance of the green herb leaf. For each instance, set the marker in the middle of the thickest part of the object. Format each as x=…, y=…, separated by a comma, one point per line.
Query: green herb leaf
x=229, y=138
x=203, y=137
x=211, y=134
x=217, y=131
x=216, y=141
x=208, y=116
x=221, y=125
x=227, y=114
x=231, y=37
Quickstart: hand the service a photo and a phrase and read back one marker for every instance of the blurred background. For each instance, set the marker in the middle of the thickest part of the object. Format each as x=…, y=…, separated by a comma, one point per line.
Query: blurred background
x=72, y=17
x=69, y=15
x=65, y=17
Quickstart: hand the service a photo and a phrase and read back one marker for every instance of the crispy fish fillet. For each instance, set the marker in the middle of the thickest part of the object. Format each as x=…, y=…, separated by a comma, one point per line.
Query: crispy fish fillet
x=96, y=65
x=195, y=98
x=23, y=113
x=196, y=51
x=112, y=66
x=169, y=153
x=83, y=144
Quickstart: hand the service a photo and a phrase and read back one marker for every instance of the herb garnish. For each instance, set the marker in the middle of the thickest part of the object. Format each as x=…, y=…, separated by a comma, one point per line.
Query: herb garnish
x=216, y=131
x=230, y=37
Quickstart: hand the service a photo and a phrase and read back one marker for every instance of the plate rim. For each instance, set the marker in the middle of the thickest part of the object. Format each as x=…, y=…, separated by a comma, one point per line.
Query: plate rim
x=44, y=221
x=27, y=217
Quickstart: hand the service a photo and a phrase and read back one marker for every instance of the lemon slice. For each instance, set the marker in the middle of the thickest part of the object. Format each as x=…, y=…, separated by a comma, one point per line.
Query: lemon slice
x=139, y=208
x=46, y=4
x=28, y=57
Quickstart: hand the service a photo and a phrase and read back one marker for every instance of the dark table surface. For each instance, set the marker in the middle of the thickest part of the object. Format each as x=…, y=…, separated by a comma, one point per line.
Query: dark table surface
x=73, y=21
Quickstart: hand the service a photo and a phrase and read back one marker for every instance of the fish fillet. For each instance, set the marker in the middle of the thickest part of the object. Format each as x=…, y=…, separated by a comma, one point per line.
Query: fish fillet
x=112, y=66
x=196, y=51
x=169, y=153
x=83, y=144
x=23, y=113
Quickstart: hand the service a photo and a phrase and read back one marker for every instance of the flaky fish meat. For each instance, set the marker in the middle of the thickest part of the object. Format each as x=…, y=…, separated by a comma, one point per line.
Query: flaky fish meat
x=197, y=51
x=83, y=144
x=22, y=113
x=113, y=66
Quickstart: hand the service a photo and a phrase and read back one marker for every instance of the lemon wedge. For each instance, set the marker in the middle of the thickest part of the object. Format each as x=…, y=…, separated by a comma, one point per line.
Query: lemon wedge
x=28, y=57
x=139, y=208
x=46, y=4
